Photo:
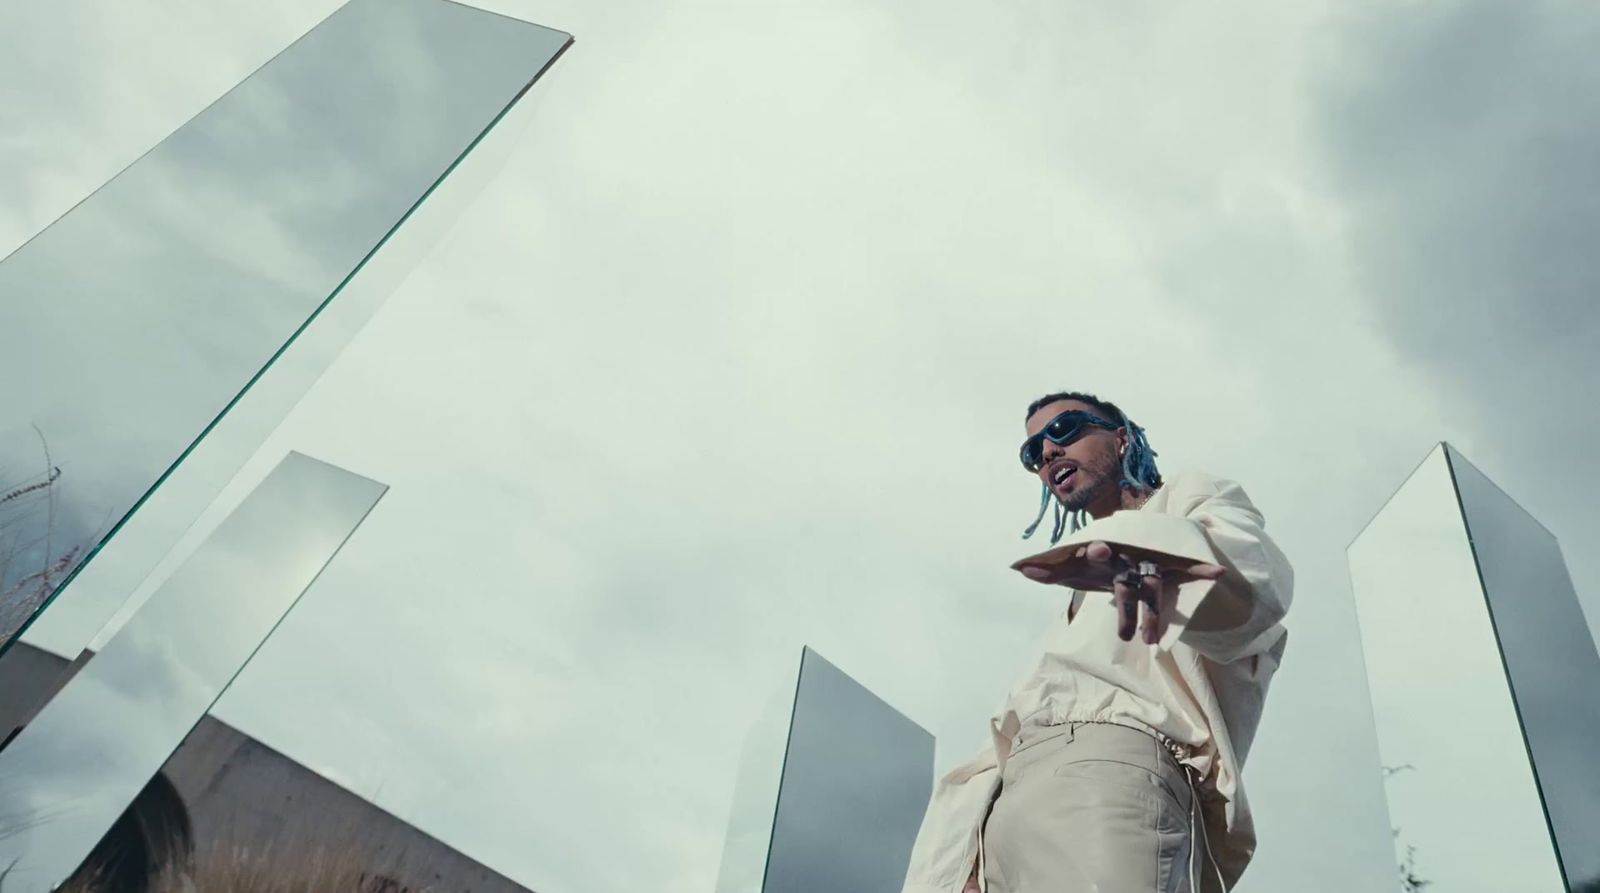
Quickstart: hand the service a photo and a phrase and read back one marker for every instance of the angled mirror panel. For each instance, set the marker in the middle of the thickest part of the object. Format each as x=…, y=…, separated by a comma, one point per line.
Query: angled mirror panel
x=70, y=773
x=748, y=839
x=141, y=315
x=834, y=804
x=156, y=537
x=1462, y=797
x=1550, y=658
x=857, y=776
x=229, y=812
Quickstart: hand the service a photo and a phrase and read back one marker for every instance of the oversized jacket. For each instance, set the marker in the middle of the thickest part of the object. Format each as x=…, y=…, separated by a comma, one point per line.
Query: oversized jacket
x=1201, y=686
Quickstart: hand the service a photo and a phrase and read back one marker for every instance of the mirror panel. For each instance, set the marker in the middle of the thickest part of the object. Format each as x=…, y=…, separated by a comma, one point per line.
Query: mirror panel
x=1550, y=659
x=1462, y=796
x=143, y=315
x=68, y=775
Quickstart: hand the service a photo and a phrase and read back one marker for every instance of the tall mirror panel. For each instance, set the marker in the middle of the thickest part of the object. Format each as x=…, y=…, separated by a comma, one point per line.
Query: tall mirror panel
x=70, y=773
x=1550, y=658
x=1463, y=800
x=142, y=315
x=834, y=801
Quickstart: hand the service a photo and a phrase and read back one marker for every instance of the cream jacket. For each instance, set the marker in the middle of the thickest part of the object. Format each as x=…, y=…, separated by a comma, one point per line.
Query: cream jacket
x=1201, y=686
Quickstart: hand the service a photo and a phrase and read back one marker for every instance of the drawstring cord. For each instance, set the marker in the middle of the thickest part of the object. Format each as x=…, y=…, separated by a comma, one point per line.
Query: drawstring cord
x=1197, y=826
x=1194, y=828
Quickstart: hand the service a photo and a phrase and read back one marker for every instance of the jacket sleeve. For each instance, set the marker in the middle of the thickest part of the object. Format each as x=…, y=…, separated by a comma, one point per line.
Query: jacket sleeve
x=1212, y=520
x=947, y=842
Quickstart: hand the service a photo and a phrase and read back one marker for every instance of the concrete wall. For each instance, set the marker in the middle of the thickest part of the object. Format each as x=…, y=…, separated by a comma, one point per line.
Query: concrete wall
x=29, y=677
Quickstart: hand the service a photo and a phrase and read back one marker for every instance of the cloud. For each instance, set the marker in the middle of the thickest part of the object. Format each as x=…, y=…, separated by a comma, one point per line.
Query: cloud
x=1461, y=138
x=734, y=358
x=748, y=358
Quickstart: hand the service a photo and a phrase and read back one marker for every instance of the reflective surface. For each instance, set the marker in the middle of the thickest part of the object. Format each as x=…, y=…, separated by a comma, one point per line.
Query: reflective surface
x=73, y=769
x=1550, y=658
x=139, y=316
x=1462, y=795
x=755, y=791
x=854, y=781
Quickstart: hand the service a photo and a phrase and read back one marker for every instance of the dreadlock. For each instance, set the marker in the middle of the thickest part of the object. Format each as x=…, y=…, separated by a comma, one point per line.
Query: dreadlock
x=1138, y=462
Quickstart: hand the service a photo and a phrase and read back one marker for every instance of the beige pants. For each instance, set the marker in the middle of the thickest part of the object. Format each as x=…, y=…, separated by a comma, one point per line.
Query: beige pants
x=1093, y=807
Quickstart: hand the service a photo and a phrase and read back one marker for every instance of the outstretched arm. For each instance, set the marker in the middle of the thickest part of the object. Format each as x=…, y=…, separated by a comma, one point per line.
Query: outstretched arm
x=1223, y=586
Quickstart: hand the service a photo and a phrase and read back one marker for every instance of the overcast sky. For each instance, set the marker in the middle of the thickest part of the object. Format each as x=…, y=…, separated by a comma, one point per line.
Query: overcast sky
x=733, y=356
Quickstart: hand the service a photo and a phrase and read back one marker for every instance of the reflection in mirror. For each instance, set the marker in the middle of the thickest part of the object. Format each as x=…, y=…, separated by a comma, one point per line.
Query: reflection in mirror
x=67, y=776
x=1462, y=797
x=853, y=780
x=1550, y=659
x=230, y=813
x=143, y=313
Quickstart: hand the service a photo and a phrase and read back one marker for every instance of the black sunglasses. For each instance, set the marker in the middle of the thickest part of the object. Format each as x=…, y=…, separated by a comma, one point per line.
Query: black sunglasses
x=1062, y=430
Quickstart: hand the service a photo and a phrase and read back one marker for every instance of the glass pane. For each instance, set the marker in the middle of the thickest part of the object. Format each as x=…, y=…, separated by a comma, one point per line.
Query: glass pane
x=1462, y=799
x=67, y=776
x=857, y=776
x=832, y=789
x=229, y=813
x=142, y=314
x=1550, y=658
x=755, y=792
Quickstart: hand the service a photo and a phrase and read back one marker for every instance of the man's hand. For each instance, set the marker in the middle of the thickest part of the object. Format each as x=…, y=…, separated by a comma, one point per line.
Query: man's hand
x=972, y=880
x=1096, y=567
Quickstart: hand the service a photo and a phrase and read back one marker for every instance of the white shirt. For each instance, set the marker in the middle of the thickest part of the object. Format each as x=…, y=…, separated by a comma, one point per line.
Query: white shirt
x=1201, y=685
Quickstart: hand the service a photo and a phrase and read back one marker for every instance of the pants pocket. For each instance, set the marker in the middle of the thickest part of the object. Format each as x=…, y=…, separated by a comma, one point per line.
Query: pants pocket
x=1138, y=780
x=1090, y=825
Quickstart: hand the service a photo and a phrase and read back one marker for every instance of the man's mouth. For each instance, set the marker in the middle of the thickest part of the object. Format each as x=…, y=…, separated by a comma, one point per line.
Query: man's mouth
x=1062, y=474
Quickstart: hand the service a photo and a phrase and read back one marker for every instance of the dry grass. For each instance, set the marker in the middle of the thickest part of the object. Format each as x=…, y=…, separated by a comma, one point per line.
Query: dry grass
x=153, y=850
x=320, y=869
x=30, y=565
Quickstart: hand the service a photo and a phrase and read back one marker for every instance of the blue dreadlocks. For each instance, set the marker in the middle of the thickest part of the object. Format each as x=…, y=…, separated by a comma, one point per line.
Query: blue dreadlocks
x=1138, y=464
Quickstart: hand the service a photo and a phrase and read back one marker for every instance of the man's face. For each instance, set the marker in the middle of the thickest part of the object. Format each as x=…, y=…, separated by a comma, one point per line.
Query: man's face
x=1086, y=471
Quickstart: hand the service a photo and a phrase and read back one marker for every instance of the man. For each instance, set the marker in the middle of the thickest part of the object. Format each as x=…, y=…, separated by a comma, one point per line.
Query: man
x=1114, y=764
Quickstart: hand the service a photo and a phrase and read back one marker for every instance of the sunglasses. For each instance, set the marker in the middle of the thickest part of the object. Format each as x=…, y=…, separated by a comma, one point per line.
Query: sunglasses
x=1062, y=430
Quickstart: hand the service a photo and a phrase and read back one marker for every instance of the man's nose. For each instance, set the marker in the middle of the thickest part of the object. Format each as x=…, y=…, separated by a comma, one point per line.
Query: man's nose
x=1051, y=450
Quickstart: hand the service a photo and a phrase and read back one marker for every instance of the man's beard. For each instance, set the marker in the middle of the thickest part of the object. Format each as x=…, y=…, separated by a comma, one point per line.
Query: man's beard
x=1082, y=497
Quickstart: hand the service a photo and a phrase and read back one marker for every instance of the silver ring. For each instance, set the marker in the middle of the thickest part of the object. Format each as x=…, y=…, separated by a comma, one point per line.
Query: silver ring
x=1149, y=569
x=1130, y=579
